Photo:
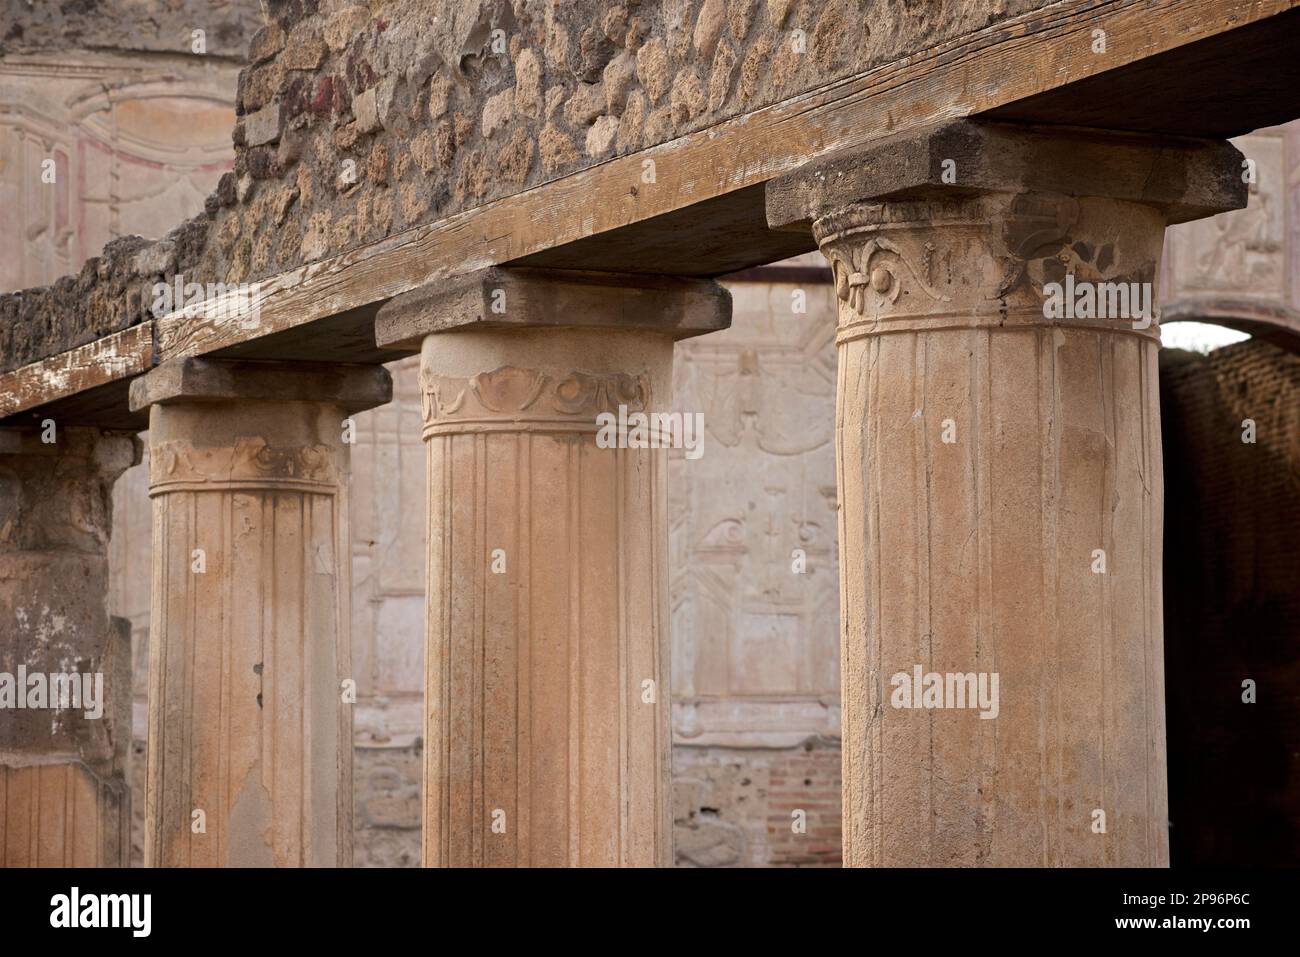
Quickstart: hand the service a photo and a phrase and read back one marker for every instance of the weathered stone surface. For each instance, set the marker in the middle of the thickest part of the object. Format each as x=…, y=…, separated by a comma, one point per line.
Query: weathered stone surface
x=652, y=69
x=105, y=296
x=708, y=27
x=341, y=26
x=62, y=762
x=155, y=259
x=688, y=98
x=724, y=63
x=666, y=305
x=366, y=111
x=1187, y=179
x=528, y=85
x=618, y=81
x=631, y=123
x=600, y=138
x=734, y=807
x=169, y=27
x=777, y=10
x=515, y=160
x=343, y=72
x=439, y=95
x=583, y=508
x=351, y=387
x=262, y=127
x=266, y=43
x=498, y=112
x=258, y=87
x=248, y=476
x=304, y=50
x=556, y=148
x=740, y=14
x=658, y=124
x=586, y=103
x=966, y=274
x=387, y=103
x=511, y=391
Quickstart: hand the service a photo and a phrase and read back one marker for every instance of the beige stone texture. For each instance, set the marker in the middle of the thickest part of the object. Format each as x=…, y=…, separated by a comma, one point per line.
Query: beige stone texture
x=600, y=138
x=731, y=645
x=64, y=800
x=555, y=147
x=498, y=111
x=652, y=69
x=1000, y=489
x=708, y=27
x=249, y=760
x=547, y=689
x=618, y=81
x=528, y=85
x=586, y=103
x=977, y=555
x=535, y=674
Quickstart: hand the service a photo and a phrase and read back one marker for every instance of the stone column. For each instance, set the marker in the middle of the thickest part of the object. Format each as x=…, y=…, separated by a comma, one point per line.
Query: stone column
x=250, y=750
x=547, y=695
x=65, y=665
x=1000, y=488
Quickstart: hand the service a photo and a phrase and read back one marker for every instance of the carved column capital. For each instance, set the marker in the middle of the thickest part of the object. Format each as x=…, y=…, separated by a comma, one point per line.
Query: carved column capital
x=511, y=398
x=249, y=634
x=547, y=601
x=351, y=387
x=252, y=463
x=967, y=224
x=984, y=260
x=995, y=436
x=501, y=299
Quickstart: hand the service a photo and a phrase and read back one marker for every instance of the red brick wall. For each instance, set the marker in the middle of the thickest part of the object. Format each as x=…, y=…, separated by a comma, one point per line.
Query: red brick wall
x=806, y=778
x=1232, y=604
x=733, y=807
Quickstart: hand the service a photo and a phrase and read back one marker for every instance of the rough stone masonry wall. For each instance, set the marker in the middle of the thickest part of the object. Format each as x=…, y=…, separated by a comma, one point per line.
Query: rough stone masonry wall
x=358, y=120
x=444, y=106
x=34, y=26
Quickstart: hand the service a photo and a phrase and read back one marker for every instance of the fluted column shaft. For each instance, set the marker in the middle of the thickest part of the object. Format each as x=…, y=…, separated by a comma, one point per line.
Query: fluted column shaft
x=65, y=665
x=535, y=671
x=250, y=751
x=547, y=689
x=1001, y=495
x=979, y=555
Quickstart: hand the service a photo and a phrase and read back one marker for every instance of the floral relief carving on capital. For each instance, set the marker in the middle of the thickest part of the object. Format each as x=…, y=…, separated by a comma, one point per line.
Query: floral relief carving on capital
x=875, y=272
x=511, y=394
x=251, y=462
